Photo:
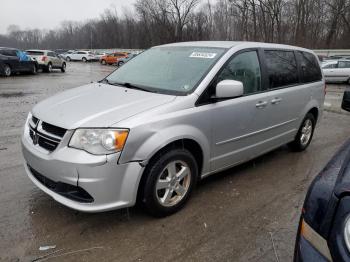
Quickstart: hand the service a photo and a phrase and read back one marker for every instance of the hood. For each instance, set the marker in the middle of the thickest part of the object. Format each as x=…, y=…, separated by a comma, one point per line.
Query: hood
x=96, y=105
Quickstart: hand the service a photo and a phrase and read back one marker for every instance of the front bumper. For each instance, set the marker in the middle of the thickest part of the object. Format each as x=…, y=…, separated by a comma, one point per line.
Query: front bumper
x=110, y=185
x=310, y=246
x=307, y=253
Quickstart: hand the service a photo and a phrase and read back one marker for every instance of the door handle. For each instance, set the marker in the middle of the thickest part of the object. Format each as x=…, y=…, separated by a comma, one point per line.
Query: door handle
x=261, y=104
x=276, y=100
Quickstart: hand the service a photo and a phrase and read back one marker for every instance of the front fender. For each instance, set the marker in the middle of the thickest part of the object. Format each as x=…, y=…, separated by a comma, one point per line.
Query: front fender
x=144, y=149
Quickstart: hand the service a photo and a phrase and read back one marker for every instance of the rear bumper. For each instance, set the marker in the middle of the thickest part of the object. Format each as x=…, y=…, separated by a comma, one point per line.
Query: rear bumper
x=80, y=180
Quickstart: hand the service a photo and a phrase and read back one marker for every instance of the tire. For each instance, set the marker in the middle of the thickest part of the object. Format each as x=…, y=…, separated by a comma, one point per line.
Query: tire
x=34, y=70
x=173, y=190
x=84, y=59
x=103, y=62
x=7, y=70
x=305, y=133
x=120, y=63
x=48, y=68
x=68, y=59
x=63, y=68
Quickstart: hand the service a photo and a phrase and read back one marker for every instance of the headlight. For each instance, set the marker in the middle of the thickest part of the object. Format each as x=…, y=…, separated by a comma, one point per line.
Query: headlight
x=99, y=141
x=347, y=233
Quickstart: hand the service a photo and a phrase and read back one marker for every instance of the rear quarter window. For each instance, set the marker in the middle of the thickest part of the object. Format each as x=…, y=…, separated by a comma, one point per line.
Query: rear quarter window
x=344, y=64
x=35, y=52
x=282, y=68
x=310, y=67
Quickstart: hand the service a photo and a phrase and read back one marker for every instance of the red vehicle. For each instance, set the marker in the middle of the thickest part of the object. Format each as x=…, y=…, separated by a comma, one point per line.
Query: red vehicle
x=111, y=59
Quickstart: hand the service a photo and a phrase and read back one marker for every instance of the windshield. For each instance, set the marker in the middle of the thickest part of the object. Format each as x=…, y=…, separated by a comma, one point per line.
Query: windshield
x=171, y=70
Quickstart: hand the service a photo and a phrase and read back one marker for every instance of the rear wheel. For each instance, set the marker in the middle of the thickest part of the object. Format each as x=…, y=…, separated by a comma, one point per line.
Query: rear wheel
x=63, y=67
x=7, y=70
x=120, y=63
x=304, y=136
x=170, y=179
x=84, y=59
x=103, y=62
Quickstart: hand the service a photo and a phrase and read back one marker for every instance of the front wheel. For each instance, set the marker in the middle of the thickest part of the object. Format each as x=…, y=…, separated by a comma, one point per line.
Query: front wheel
x=170, y=179
x=49, y=68
x=34, y=70
x=120, y=63
x=7, y=70
x=304, y=136
x=68, y=59
x=103, y=62
x=84, y=59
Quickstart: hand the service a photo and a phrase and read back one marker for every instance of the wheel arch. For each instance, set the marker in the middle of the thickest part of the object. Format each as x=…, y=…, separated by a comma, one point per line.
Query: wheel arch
x=186, y=143
x=315, y=112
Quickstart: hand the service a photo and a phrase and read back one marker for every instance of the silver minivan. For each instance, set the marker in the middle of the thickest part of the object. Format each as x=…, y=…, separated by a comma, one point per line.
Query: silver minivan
x=174, y=114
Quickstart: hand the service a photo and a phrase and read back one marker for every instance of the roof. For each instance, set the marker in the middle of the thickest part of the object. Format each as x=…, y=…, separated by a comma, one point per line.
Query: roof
x=38, y=50
x=8, y=48
x=230, y=44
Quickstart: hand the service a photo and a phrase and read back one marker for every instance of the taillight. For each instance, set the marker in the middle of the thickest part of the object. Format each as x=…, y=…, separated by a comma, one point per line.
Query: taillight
x=43, y=58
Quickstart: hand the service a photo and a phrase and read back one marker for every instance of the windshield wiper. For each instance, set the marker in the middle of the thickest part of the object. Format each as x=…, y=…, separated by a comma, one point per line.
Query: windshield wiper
x=104, y=80
x=131, y=86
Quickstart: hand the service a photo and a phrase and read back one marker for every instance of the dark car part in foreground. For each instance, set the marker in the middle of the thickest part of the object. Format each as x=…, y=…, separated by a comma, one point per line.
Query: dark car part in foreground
x=324, y=229
x=11, y=62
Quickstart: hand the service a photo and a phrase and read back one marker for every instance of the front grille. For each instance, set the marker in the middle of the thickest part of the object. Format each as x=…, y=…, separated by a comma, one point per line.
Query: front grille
x=45, y=135
x=35, y=120
x=75, y=193
x=58, y=131
x=47, y=144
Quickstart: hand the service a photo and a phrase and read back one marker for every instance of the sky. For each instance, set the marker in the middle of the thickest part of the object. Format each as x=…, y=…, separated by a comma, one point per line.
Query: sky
x=48, y=14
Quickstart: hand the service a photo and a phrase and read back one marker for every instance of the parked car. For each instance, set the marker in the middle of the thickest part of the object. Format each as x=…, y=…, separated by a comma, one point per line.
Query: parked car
x=65, y=54
x=84, y=56
x=123, y=60
x=61, y=51
x=324, y=228
x=15, y=61
x=113, y=58
x=99, y=55
x=337, y=57
x=47, y=60
x=174, y=114
x=337, y=71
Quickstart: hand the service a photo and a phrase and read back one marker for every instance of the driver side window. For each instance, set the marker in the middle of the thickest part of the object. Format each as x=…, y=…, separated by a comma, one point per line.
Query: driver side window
x=245, y=68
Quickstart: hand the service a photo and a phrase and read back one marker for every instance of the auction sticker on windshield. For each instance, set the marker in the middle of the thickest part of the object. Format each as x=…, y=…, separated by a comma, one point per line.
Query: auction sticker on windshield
x=203, y=55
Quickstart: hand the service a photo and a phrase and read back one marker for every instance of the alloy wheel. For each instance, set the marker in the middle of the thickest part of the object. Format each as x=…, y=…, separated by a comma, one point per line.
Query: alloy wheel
x=306, y=132
x=173, y=183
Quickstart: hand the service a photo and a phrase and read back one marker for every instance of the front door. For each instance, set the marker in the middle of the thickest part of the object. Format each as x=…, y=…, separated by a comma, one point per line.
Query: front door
x=241, y=125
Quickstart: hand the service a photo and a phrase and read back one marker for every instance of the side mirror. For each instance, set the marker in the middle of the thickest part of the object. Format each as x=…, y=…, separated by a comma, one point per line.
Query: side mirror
x=228, y=89
x=346, y=101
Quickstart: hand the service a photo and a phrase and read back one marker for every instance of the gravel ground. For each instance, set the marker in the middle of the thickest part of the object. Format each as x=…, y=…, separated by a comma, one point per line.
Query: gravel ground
x=235, y=215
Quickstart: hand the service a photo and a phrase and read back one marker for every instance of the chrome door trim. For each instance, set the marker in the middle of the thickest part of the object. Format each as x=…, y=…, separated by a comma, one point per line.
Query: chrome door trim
x=255, y=133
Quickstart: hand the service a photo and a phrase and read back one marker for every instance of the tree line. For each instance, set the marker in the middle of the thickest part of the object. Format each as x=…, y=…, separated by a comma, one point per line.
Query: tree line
x=307, y=23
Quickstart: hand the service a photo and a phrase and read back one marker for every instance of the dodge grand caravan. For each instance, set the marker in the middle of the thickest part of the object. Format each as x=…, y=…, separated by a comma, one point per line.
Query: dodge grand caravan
x=171, y=116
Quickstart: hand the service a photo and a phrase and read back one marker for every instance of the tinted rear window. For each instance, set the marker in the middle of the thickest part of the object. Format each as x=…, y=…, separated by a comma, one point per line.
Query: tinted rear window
x=35, y=52
x=8, y=52
x=282, y=68
x=310, y=68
